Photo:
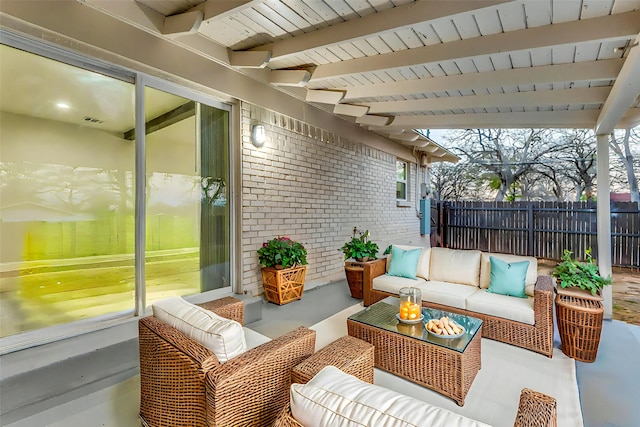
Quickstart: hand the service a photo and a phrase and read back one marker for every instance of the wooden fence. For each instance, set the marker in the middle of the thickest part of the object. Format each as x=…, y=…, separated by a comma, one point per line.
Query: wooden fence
x=540, y=229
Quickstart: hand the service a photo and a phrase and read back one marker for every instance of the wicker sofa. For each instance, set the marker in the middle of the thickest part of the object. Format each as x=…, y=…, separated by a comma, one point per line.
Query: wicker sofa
x=333, y=396
x=184, y=384
x=451, y=279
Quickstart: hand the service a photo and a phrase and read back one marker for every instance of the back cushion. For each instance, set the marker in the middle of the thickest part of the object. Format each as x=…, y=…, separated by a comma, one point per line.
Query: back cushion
x=224, y=337
x=423, y=261
x=333, y=398
x=532, y=272
x=455, y=266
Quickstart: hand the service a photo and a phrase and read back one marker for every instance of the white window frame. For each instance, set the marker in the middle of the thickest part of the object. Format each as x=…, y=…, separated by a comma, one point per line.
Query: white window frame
x=404, y=181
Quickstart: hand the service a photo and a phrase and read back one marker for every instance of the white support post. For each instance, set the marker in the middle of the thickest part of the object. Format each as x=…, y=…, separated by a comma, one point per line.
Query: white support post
x=604, y=221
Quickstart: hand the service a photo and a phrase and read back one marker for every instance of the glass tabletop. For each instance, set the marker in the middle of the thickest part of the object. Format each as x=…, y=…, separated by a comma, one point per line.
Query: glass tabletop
x=383, y=315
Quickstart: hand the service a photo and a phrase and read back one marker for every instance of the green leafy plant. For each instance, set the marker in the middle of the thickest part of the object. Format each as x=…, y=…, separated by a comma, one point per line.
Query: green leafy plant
x=360, y=247
x=584, y=275
x=282, y=252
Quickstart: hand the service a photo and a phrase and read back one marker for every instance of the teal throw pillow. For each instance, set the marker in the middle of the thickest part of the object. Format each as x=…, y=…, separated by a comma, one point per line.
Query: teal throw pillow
x=508, y=278
x=404, y=263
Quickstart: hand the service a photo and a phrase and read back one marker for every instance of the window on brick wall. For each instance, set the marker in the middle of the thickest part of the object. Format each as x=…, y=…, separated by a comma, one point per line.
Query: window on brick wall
x=401, y=180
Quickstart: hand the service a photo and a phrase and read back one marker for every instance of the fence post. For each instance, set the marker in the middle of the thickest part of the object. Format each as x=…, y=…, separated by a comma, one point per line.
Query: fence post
x=530, y=227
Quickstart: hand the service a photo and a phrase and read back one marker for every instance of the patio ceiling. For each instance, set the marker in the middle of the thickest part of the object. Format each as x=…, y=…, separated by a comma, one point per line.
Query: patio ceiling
x=398, y=65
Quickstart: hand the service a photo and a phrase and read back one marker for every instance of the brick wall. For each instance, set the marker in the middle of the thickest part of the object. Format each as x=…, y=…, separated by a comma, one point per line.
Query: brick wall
x=314, y=187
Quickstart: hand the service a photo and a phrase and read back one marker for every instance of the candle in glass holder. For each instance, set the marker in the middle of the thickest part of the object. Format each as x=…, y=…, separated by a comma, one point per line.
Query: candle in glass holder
x=410, y=303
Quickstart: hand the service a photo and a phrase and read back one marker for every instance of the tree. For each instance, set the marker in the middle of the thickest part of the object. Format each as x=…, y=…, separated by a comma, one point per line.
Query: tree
x=454, y=181
x=507, y=154
x=623, y=150
x=578, y=150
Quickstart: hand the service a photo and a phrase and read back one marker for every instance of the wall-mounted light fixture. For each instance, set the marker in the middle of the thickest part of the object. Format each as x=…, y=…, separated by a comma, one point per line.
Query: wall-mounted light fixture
x=258, y=135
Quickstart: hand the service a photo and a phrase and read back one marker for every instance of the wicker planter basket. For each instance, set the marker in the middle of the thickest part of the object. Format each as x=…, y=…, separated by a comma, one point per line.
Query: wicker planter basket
x=579, y=316
x=355, y=273
x=283, y=286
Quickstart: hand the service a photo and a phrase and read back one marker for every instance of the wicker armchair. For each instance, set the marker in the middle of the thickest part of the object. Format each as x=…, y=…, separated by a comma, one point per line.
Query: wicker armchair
x=182, y=383
x=535, y=410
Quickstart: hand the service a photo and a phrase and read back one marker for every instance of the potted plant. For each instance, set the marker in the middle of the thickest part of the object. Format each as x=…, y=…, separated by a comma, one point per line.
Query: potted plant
x=362, y=250
x=579, y=309
x=284, y=266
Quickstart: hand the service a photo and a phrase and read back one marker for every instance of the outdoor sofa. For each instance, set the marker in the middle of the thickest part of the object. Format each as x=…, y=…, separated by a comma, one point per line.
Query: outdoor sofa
x=333, y=397
x=457, y=281
x=184, y=383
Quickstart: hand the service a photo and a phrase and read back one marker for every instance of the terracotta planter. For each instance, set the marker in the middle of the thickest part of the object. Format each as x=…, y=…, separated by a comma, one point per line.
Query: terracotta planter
x=579, y=315
x=282, y=286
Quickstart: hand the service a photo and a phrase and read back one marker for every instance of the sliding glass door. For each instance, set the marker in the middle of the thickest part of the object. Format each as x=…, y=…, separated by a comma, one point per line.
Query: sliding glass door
x=71, y=209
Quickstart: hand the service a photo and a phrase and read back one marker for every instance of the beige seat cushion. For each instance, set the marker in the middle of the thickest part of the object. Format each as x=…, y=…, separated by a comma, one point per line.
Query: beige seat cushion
x=393, y=284
x=224, y=337
x=532, y=271
x=451, y=294
x=423, y=262
x=455, y=266
x=333, y=398
x=512, y=308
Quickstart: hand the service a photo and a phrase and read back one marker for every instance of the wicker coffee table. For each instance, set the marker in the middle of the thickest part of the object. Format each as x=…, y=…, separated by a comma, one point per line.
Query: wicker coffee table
x=447, y=366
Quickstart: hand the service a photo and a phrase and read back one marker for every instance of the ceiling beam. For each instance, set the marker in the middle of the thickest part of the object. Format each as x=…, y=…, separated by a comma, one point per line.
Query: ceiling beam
x=611, y=27
x=582, y=71
x=222, y=9
x=624, y=92
x=324, y=96
x=631, y=119
x=373, y=120
x=350, y=110
x=248, y=59
x=577, y=96
x=579, y=119
x=389, y=20
x=297, y=78
x=182, y=23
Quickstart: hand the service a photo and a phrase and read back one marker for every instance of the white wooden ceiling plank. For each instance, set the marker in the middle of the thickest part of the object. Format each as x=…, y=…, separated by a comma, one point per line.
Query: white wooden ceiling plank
x=269, y=26
x=466, y=65
x=380, y=5
x=409, y=38
x=286, y=12
x=621, y=6
x=445, y=30
x=307, y=13
x=395, y=75
x=537, y=13
x=352, y=49
x=450, y=68
x=593, y=8
x=565, y=11
x=563, y=54
x=426, y=34
x=540, y=56
x=520, y=59
x=510, y=89
x=279, y=19
x=543, y=86
x=587, y=52
x=421, y=72
x=327, y=14
x=379, y=45
x=512, y=16
x=365, y=47
x=435, y=70
x=466, y=92
x=483, y=63
x=491, y=110
x=407, y=73
x=466, y=26
x=258, y=31
x=343, y=9
x=373, y=79
x=315, y=58
x=362, y=8
x=393, y=41
x=526, y=88
x=340, y=52
x=488, y=21
x=328, y=55
x=501, y=61
x=384, y=76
